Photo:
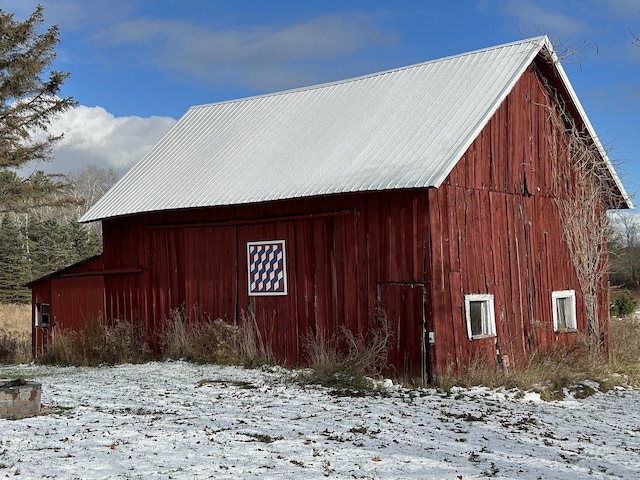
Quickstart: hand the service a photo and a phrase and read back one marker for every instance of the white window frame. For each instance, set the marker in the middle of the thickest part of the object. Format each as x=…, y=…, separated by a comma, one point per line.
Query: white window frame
x=571, y=322
x=40, y=315
x=488, y=315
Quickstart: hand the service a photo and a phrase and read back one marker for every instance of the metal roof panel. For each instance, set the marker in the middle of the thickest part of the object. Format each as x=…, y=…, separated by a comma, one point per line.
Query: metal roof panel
x=403, y=128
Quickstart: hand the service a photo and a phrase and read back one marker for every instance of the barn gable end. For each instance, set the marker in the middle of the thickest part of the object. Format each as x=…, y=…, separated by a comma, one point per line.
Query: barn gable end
x=496, y=229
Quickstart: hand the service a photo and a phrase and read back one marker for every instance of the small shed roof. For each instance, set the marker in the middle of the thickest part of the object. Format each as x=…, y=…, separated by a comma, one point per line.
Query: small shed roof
x=402, y=128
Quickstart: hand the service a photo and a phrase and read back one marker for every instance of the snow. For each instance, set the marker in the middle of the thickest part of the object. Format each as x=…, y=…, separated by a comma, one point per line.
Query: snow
x=180, y=420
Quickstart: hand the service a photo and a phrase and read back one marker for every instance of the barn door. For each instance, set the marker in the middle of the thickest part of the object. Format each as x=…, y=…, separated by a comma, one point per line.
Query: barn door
x=191, y=268
x=404, y=307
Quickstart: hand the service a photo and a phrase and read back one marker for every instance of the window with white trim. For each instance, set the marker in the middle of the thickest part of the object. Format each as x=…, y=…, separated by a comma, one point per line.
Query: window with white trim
x=42, y=315
x=481, y=320
x=564, y=310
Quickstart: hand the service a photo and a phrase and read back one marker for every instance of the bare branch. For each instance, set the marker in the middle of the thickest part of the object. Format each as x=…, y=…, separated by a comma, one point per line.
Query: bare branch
x=583, y=192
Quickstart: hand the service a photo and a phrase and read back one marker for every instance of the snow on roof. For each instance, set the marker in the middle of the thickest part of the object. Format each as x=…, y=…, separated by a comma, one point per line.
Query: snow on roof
x=402, y=128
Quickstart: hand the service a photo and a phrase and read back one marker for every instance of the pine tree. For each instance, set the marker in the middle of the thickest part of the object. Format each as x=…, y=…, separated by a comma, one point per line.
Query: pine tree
x=14, y=263
x=56, y=243
x=29, y=101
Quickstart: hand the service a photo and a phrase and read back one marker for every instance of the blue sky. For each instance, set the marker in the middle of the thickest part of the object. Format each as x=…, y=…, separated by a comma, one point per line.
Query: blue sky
x=137, y=65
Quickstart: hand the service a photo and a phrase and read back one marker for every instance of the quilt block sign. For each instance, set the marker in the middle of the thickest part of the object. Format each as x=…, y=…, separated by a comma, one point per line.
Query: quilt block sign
x=267, y=262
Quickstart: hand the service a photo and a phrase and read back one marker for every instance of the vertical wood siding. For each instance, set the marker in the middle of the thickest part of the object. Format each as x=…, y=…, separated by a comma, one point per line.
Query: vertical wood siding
x=338, y=250
x=496, y=229
x=491, y=228
x=75, y=296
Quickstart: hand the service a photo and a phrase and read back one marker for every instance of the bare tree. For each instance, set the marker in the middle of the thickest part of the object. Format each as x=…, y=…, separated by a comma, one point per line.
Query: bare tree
x=92, y=182
x=624, y=248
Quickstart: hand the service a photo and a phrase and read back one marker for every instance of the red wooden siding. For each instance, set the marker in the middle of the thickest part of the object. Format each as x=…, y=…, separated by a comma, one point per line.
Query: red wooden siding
x=403, y=306
x=75, y=296
x=338, y=249
x=86, y=294
x=411, y=256
x=495, y=228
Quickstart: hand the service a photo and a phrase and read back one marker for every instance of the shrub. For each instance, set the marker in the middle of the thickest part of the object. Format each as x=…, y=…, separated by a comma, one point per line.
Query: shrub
x=97, y=344
x=194, y=336
x=345, y=362
x=623, y=305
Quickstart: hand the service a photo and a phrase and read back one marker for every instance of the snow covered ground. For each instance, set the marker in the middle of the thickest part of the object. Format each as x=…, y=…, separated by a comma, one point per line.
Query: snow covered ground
x=179, y=420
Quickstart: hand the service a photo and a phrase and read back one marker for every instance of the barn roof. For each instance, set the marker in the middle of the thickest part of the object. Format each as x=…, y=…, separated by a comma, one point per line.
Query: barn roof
x=397, y=129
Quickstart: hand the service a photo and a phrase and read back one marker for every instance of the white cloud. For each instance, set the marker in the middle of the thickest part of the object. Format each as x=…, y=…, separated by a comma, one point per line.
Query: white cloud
x=257, y=56
x=94, y=136
x=272, y=55
x=623, y=7
x=72, y=14
x=538, y=18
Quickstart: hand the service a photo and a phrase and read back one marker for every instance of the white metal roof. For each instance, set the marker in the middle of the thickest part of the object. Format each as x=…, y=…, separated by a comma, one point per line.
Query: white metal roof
x=402, y=128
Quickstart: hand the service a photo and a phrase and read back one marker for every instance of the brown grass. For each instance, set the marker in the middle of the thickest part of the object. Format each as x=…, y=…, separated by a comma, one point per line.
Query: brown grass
x=624, y=346
x=342, y=363
x=254, y=349
x=345, y=361
x=15, y=333
x=193, y=336
x=97, y=344
x=15, y=319
x=559, y=370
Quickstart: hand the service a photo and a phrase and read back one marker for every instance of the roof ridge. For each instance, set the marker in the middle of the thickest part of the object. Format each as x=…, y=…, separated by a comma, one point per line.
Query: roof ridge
x=542, y=40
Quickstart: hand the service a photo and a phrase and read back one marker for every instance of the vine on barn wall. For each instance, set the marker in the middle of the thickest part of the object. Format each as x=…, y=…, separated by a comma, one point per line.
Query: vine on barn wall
x=583, y=191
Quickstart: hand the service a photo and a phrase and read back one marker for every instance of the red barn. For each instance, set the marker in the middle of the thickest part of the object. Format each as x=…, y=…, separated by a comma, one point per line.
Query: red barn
x=428, y=195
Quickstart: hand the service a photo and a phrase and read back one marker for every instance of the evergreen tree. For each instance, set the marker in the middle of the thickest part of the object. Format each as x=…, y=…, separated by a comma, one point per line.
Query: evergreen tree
x=29, y=101
x=55, y=244
x=14, y=263
x=85, y=241
x=49, y=247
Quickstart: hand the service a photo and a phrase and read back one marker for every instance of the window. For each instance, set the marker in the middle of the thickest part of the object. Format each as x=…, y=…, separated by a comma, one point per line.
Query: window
x=481, y=320
x=42, y=315
x=564, y=310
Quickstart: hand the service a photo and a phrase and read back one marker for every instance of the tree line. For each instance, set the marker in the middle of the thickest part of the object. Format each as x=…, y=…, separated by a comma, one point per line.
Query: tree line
x=624, y=250
x=39, y=240
x=37, y=231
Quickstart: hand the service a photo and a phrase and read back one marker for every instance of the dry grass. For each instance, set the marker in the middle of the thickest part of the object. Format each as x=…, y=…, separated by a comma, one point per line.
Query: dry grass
x=559, y=370
x=193, y=336
x=97, y=344
x=197, y=338
x=624, y=346
x=345, y=361
x=15, y=319
x=186, y=335
x=15, y=333
x=254, y=349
